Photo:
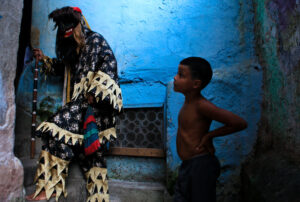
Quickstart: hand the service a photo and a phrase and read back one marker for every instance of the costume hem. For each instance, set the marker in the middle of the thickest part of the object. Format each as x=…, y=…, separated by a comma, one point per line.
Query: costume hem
x=64, y=135
x=98, y=186
x=101, y=83
x=51, y=168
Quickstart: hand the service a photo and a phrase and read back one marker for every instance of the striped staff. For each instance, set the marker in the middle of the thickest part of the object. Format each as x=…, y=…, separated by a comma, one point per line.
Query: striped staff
x=34, y=102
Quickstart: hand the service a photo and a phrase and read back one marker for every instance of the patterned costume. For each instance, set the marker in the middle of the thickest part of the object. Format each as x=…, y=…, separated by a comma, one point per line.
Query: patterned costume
x=94, y=73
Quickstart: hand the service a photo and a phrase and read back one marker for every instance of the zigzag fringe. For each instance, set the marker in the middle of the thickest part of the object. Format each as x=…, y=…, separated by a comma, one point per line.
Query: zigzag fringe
x=82, y=85
x=47, y=126
x=110, y=88
x=54, y=178
x=108, y=133
x=101, y=81
x=47, y=67
x=99, y=182
x=99, y=198
x=103, y=84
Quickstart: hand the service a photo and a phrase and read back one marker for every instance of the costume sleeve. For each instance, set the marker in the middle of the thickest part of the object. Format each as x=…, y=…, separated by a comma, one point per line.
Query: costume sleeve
x=52, y=66
x=102, y=78
x=98, y=75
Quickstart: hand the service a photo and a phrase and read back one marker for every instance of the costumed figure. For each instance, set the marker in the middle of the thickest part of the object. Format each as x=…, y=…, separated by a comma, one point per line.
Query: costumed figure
x=86, y=123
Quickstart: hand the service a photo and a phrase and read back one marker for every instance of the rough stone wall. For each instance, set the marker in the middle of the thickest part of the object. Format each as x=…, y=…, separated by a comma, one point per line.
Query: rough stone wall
x=11, y=170
x=278, y=47
x=272, y=173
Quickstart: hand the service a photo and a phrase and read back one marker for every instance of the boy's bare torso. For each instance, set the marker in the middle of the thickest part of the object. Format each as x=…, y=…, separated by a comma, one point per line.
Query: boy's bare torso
x=192, y=126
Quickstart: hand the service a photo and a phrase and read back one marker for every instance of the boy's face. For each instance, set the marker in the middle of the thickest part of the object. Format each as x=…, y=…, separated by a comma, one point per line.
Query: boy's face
x=183, y=81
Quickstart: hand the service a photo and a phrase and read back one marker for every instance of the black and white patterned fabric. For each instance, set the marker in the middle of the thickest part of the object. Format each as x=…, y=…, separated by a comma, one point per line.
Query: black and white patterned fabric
x=95, y=73
x=95, y=56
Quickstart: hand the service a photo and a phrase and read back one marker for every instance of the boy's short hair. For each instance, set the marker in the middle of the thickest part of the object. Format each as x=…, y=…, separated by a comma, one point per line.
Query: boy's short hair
x=200, y=69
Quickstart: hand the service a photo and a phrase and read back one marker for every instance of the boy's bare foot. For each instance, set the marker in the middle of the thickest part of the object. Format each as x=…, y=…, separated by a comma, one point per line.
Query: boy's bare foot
x=40, y=197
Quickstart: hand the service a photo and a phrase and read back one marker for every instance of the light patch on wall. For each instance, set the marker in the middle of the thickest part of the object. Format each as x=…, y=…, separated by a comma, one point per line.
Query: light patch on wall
x=3, y=105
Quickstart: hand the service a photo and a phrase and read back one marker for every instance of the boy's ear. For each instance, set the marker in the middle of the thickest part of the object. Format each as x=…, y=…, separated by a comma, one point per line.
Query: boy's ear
x=197, y=83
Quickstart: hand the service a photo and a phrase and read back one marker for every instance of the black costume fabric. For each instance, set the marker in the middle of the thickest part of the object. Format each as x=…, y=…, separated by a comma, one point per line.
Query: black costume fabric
x=94, y=73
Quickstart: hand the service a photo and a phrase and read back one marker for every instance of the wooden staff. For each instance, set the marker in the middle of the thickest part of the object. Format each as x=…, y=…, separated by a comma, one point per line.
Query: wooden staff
x=34, y=102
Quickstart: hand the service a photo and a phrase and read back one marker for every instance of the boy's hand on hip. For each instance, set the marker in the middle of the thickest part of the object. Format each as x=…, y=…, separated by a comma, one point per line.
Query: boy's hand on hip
x=204, y=141
x=205, y=145
x=200, y=149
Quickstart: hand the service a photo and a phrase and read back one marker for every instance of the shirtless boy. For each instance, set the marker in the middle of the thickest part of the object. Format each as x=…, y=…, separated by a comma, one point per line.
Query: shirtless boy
x=200, y=169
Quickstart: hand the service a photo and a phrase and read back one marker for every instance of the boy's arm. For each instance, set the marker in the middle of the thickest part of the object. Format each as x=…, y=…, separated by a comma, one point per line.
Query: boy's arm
x=232, y=122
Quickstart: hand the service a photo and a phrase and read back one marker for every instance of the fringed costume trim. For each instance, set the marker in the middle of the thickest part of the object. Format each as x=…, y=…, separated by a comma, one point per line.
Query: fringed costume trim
x=54, y=129
x=50, y=175
x=47, y=67
x=83, y=85
x=107, y=134
x=98, y=198
x=97, y=185
x=108, y=87
x=103, y=84
x=47, y=126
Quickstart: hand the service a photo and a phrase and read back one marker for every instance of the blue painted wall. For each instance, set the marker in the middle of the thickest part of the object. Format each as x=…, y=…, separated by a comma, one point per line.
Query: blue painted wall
x=149, y=38
x=3, y=104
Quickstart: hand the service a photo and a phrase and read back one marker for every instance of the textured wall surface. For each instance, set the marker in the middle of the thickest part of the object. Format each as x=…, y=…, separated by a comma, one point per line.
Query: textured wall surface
x=236, y=86
x=272, y=174
x=149, y=39
x=11, y=170
x=278, y=45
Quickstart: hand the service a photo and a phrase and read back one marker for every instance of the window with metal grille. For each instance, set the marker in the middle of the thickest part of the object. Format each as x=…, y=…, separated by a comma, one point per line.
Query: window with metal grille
x=141, y=126
x=140, y=132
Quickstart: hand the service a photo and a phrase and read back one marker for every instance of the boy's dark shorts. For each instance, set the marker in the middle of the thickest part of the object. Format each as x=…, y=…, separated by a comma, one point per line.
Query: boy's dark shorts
x=197, y=179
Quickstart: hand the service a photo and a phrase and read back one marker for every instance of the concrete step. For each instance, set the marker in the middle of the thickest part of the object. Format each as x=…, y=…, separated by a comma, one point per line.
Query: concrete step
x=120, y=191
